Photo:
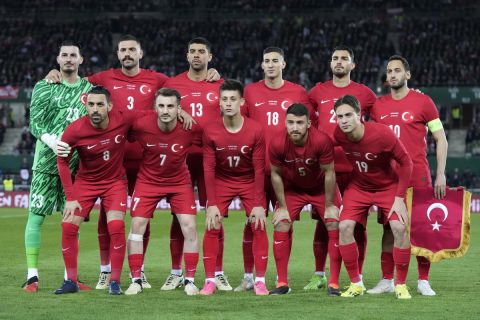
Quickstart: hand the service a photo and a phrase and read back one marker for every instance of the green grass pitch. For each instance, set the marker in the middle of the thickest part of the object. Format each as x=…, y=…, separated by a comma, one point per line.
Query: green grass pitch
x=455, y=280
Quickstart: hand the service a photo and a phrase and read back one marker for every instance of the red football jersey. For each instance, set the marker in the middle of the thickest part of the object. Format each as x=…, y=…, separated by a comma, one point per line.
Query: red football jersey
x=130, y=93
x=323, y=96
x=236, y=158
x=164, y=153
x=372, y=156
x=199, y=98
x=408, y=119
x=301, y=165
x=268, y=107
x=100, y=151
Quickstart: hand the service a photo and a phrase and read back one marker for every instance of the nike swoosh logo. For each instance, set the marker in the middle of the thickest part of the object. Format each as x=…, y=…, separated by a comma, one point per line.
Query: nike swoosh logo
x=289, y=160
x=90, y=147
x=259, y=104
x=193, y=207
x=117, y=87
x=123, y=204
x=205, y=258
x=150, y=145
x=278, y=242
x=218, y=149
x=192, y=270
x=116, y=248
x=382, y=117
x=65, y=249
x=263, y=257
x=324, y=101
x=336, y=245
x=184, y=96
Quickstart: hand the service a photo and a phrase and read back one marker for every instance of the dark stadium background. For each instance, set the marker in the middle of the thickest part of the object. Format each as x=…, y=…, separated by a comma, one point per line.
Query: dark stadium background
x=439, y=38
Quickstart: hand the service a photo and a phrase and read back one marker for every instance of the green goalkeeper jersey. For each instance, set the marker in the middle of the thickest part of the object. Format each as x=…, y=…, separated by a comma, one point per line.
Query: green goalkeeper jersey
x=52, y=109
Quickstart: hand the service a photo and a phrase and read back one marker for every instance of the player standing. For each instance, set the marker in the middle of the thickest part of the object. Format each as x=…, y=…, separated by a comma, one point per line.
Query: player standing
x=51, y=110
x=371, y=148
x=234, y=165
x=99, y=139
x=200, y=100
x=163, y=174
x=266, y=102
x=410, y=115
x=132, y=88
x=303, y=173
x=322, y=97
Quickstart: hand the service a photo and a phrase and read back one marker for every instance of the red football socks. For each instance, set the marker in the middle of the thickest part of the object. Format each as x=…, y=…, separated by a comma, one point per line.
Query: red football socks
x=320, y=246
x=247, y=248
x=335, y=257
x=135, y=262
x=260, y=250
x=387, y=264
x=360, y=235
x=191, y=261
x=349, y=254
x=210, y=251
x=103, y=238
x=281, y=252
x=219, y=262
x=116, y=229
x=423, y=268
x=402, y=260
x=70, y=249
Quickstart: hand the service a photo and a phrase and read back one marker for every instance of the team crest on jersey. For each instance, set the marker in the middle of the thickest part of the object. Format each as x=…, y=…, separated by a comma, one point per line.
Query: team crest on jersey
x=118, y=138
x=245, y=149
x=145, y=89
x=370, y=156
x=285, y=104
x=212, y=96
x=407, y=116
x=83, y=98
x=176, y=147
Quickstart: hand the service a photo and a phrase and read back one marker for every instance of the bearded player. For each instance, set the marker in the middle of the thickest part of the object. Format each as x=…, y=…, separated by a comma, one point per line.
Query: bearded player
x=410, y=115
x=322, y=97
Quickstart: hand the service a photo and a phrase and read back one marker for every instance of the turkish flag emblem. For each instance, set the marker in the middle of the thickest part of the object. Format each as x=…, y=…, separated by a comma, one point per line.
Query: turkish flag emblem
x=439, y=229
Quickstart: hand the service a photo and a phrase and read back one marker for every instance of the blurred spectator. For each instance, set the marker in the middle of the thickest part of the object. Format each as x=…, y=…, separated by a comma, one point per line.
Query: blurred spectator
x=25, y=172
x=8, y=183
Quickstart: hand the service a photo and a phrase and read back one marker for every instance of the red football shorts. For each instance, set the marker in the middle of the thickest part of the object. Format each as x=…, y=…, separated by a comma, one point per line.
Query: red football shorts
x=227, y=191
x=296, y=200
x=195, y=166
x=112, y=194
x=356, y=204
x=418, y=182
x=145, y=199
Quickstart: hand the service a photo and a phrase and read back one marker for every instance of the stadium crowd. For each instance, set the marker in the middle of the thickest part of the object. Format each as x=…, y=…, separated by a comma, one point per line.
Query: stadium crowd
x=442, y=52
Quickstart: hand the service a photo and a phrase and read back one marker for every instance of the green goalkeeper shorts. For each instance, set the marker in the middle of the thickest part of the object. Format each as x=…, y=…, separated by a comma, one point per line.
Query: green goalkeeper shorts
x=46, y=194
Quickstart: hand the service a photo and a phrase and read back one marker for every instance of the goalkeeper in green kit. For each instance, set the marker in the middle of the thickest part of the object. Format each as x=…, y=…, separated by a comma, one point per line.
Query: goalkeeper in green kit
x=52, y=109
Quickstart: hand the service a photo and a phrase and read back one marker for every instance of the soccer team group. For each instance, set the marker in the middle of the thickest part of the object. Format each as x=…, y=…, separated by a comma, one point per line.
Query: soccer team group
x=136, y=131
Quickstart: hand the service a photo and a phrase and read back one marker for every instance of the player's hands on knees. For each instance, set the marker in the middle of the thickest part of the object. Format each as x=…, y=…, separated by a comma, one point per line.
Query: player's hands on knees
x=63, y=149
x=332, y=212
x=258, y=217
x=400, y=209
x=280, y=214
x=213, y=217
x=69, y=210
x=186, y=119
x=54, y=76
x=440, y=186
x=213, y=75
